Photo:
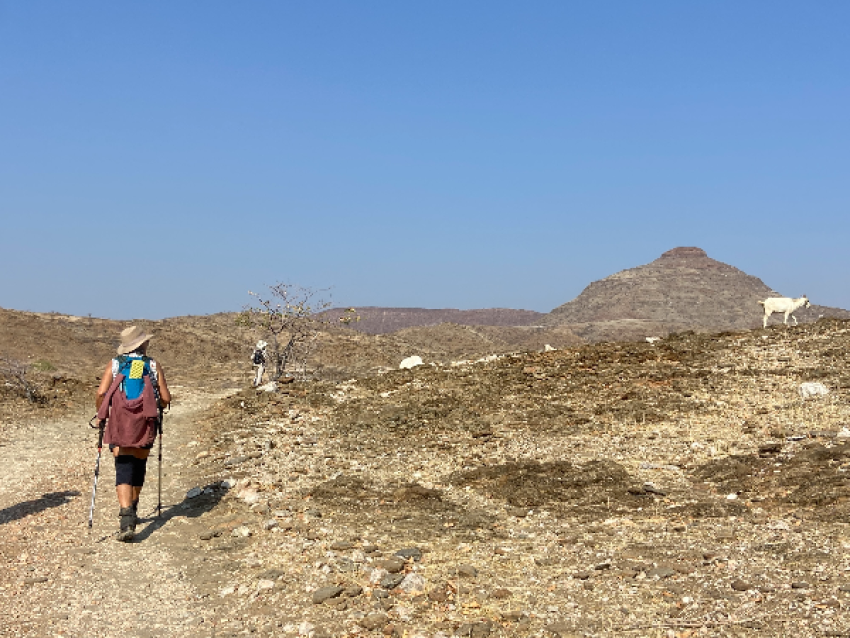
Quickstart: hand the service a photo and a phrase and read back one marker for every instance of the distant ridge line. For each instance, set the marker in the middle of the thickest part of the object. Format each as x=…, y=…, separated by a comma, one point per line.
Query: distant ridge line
x=381, y=320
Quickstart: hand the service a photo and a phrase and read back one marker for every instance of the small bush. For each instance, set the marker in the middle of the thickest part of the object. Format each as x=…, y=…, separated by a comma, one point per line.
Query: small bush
x=14, y=373
x=43, y=365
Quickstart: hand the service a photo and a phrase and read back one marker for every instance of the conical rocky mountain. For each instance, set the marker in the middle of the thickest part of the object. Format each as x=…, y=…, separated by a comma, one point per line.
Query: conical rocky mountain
x=684, y=289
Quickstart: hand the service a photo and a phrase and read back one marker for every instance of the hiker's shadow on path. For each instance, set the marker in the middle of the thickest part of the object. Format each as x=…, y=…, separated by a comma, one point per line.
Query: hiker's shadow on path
x=28, y=508
x=210, y=496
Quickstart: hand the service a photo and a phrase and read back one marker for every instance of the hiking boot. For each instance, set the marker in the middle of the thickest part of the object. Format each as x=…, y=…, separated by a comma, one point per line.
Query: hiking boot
x=127, y=517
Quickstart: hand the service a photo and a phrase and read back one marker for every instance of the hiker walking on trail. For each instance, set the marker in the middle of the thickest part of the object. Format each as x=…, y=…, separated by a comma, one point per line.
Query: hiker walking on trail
x=258, y=358
x=130, y=398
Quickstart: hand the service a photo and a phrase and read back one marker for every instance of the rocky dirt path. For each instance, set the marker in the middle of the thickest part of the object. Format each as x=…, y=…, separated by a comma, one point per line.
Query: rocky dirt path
x=60, y=579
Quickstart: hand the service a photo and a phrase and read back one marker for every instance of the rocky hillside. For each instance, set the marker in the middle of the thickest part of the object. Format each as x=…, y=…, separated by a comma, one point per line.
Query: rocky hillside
x=608, y=490
x=684, y=289
x=377, y=320
x=683, y=488
x=64, y=355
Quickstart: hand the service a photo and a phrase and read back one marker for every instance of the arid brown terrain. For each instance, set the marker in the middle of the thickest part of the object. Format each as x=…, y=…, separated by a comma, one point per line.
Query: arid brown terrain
x=373, y=320
x=678, y=488
x=684, y=289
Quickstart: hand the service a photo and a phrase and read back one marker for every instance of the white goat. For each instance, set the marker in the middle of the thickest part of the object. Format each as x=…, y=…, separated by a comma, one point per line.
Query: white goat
x=785, y=305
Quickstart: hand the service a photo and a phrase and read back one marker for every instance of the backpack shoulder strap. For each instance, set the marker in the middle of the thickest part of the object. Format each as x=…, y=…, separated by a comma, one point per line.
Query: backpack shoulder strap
x=153, y=377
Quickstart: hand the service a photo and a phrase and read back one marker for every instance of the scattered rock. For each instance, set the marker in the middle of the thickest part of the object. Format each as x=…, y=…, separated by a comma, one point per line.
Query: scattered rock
x=544, y=561
x=412, y=584
x=393, y=565
x=271, y=574
x=438, y=595
x=741, y=585
x=661, y=572
x=467, y=571
x=339, y=604
x=352, y=591
x=767, y=449
x=413, y=553
x=650, y=488
x=391, y=581
x=347, y=565
x=373, y=621
x=475, y=630
x=561, y=630
x=261, y=508
x=34, y=580
x=811, y=389
x=326, y=593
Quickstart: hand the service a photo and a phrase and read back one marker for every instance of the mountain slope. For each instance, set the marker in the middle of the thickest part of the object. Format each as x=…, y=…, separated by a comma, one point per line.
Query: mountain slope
x=683, y=289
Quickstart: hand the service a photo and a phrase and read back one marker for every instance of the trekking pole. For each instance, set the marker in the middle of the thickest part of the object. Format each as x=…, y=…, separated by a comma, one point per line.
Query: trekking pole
x=159, y=480
x=100, y=426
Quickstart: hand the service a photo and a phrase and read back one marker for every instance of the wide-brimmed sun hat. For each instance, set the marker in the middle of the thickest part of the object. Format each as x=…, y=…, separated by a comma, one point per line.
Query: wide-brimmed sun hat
x=132, y=338
x=261, y=344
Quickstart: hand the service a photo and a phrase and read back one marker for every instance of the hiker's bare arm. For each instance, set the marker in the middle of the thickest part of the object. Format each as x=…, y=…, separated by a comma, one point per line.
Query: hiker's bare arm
x=164, y=394
x=105, y=382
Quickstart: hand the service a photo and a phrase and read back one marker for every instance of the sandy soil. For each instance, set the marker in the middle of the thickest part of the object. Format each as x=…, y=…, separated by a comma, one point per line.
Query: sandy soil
x=60, y=578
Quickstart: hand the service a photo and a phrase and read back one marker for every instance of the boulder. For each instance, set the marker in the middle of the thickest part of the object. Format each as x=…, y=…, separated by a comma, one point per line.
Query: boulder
x=410, y=362
x=812, y=390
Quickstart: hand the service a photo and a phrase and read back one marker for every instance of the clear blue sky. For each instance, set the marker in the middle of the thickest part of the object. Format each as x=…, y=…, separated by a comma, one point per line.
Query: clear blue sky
x=163, y=158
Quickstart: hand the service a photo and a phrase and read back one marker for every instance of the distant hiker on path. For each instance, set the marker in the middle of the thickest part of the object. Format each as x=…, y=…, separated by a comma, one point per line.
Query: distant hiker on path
x=258, y=358
x=131, y=393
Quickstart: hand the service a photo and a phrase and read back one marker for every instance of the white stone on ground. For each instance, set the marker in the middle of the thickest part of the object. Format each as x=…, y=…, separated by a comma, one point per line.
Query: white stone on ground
x=410, y=362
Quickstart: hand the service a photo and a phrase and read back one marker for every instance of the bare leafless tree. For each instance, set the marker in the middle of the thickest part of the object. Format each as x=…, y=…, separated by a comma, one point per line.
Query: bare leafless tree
x=14, y=373
x=287, y=316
